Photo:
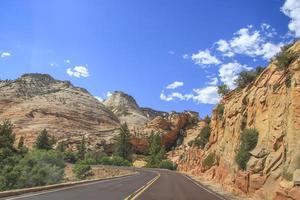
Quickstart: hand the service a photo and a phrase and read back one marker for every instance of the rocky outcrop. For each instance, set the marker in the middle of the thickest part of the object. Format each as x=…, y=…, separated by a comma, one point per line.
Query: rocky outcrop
x=271, y=104
x=126, y=109
x=35, y=102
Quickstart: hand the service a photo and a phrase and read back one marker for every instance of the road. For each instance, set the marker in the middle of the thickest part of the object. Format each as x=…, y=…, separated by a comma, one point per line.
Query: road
x=148, y=184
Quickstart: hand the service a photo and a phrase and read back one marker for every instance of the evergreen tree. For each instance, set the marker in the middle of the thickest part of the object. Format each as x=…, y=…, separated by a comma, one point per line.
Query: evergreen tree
x=156, y=151
x=7, y=139
x=123, y=143
x=81, y=149
x=43, y=141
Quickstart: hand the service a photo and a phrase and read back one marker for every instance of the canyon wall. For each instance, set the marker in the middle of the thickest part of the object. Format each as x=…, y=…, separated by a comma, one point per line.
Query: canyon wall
x=271, y=105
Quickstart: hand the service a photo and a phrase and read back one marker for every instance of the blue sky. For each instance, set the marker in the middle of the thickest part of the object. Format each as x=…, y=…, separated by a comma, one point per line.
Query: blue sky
x=142, y=47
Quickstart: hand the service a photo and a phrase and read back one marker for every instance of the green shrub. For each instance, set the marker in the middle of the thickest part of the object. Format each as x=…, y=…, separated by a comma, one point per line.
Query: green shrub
x=285, y=57
x=288, y=81
x=220, y=110
x=209, y=161
x=286, y=174
x=115, y=160
x=119, y=161
x=39, y=168
x=70, y=157
x=223, y=90
x=242, y=157
x=202, y=139
x=247, y=77
x=249, y=138
x=167, y=164
x=82, y=170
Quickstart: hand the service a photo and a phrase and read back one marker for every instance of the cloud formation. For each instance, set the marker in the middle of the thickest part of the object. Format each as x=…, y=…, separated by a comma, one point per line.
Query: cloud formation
x=78, y=71
x=174, y=85
x=249, y=42
x=5, y=54
x=205, y=58
x=228, y=73
x=205, y=95
x=291, y=8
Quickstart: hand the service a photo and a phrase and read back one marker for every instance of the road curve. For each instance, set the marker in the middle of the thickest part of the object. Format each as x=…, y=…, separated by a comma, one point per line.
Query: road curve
x=152, y=184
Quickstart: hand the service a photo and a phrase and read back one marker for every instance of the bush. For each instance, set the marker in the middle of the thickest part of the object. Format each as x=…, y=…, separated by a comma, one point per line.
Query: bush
x=247, y=77
x=82, y=170
x=70, y=157
x=249, y=138
x=203, y=138
x=223, y=90
x=220, y=110
x=285, y=57
x=39, y=168
x=167, y=164
x=288, y=81
x=286, y=174
x=209, y=161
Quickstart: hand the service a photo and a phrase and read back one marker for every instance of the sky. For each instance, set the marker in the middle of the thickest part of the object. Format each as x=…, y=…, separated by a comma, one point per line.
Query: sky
x=169, y=55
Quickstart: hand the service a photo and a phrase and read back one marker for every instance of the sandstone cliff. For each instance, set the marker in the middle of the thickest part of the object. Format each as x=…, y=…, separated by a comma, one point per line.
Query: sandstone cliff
x=126, y=109
x=35, y=102
x=271, y=104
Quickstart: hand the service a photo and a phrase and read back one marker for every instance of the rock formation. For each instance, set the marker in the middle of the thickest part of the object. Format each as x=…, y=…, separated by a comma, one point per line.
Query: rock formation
x=35, y=102
x=270, y=104
x=126, y=109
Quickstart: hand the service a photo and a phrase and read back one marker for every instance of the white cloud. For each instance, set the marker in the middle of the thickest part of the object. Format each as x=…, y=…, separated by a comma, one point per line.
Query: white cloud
x=99, y=98
x=223, y=46
x=5, y=54
x=213, y=81
x=67, y=61
x=291, y=8
x=206, y=95
x=185, y=56
x=252, y=43
x=78, y=71
x=205, y=58
x=175, y=85
x=165, y=98
x=228, y=73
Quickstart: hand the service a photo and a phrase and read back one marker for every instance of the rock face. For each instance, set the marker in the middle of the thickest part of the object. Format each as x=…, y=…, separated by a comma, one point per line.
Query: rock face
x=271, y=104
x=35, y=102
x=126, y=109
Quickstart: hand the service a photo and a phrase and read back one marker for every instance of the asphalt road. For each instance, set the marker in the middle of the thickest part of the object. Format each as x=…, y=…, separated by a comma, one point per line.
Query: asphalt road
x=147, y=185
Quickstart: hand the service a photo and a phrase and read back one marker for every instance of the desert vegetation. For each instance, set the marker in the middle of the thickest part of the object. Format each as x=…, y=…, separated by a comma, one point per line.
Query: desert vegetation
x=249, y=138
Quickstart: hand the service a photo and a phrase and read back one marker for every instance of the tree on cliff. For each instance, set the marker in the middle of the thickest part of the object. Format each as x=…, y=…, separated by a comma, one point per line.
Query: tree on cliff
x=43, y=141
x=223, y=90
x=123, y=143
x=81, y=149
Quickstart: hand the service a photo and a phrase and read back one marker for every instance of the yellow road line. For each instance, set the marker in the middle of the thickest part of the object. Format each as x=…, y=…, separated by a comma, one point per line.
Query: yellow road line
x=139, y=191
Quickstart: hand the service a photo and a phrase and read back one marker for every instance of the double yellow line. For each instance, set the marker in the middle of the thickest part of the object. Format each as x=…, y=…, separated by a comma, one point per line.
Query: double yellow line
x=139, y=191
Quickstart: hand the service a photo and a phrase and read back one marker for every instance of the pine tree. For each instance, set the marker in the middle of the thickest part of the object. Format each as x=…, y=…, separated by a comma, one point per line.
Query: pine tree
x=81, y=149
x=123, y=143
x=43, y=141
x=7, y=139
x=156, y=150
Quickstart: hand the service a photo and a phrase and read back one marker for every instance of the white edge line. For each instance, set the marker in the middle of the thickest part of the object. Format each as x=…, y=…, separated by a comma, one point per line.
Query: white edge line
x=66, y=188
x=201, y=186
